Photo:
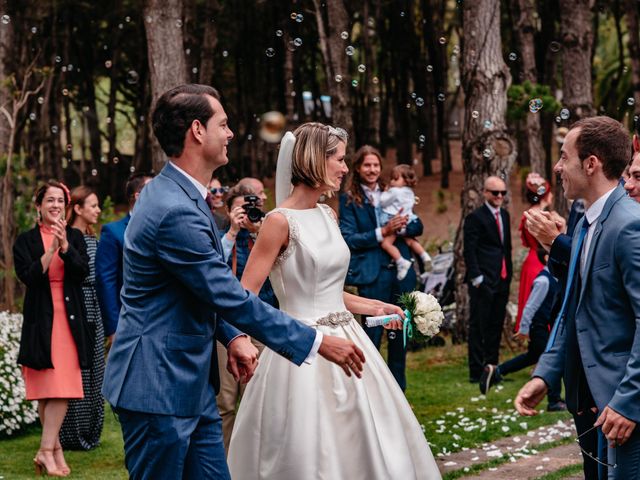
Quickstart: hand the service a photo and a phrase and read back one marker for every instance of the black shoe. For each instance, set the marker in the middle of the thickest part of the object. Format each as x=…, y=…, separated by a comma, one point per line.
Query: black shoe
x=558, y=406
x=487, y=378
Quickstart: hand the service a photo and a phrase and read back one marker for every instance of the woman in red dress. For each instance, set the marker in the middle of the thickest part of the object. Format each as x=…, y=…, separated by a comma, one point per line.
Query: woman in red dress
x=52, y=262
x=540, y=197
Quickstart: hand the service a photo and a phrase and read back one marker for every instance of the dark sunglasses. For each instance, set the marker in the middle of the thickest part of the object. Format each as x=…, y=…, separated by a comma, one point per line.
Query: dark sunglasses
x=221, y=190
x=591, y=455
x=495, y=193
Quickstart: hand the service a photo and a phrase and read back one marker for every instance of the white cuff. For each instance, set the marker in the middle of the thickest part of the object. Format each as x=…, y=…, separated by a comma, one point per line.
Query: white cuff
x=477, y=281
x=379, y=235
x=313, y=353
x=227, y=247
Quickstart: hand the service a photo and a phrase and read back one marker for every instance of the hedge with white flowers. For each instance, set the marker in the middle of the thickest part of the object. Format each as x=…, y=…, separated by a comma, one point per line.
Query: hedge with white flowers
x=15, y=411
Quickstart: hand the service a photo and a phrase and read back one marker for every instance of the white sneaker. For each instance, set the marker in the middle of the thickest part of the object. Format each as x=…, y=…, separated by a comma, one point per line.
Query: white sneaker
x=402, y=268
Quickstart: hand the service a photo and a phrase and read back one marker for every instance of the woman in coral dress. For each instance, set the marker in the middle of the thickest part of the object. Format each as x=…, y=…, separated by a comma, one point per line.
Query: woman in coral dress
x=540, y=197
x=51, y=260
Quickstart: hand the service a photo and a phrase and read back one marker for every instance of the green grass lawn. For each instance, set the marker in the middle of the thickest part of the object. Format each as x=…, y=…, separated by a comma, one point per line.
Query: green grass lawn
x=451, y=410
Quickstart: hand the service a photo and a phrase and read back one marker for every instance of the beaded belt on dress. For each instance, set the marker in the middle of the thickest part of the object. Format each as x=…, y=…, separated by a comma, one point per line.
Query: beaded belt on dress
x=335, y=319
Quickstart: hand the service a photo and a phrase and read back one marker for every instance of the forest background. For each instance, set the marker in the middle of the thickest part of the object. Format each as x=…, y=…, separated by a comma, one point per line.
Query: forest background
x=487, y=84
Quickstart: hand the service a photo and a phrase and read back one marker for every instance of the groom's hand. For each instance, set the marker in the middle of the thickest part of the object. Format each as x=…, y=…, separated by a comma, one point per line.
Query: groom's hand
x=242, y=358
x=343, y=353
x=615, y=427
x=530, y=396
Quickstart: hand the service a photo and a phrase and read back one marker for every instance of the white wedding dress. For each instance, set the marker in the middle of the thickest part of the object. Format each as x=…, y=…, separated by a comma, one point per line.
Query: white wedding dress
x=312, y=421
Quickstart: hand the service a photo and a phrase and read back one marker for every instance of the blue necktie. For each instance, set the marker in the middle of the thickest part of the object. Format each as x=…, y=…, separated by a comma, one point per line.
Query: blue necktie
x=567, y=293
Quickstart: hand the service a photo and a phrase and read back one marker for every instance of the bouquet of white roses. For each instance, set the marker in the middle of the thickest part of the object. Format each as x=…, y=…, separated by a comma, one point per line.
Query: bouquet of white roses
x=423, y=316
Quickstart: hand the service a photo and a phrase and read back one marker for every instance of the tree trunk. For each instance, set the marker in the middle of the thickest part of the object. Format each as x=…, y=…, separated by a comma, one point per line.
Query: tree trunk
x=167, y=65
x=333, y=47
x=576, y=31
x=485, y=151
x=6, y=55
x=209, y=41
x=631, y=9
x=524, y=14
x=372, y=87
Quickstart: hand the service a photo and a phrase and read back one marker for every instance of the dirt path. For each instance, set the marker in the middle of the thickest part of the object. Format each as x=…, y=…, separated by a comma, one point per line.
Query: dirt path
x=522, y=452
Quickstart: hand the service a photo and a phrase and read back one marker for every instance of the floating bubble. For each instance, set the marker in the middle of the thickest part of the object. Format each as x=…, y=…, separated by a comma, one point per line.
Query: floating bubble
x=103, y=159
x=554, y=47
x=513, y=56
x=58, y=59
x=429, y=68
x=408, y=105
x=279, y=33
x=413, y=95
x=441, y=97
x=65, y=92
x=419, y=101
x=422, y=138
x=350, y=50
x=54, y=129
x=225, y=53
x=194, y=70
x=344, y=35
x=40, y=100
x=362, y=68
x=486, y=153
x=565, y=114
x=354, y=83
x=558, y=119
x=127, y=19
x=488, y=124
x=148, y=19
x=69, y=147
x=187, y=51
x=293, y=15
x=120, y=26
x=442, y=40
x=108, y=64
x=132, y=169
x=297, y=41
x=630, y=101
x=535, y=105
x=34, y=29
x=456, y=50
x=371, y=22
x=338, y=78
x=293, y=93
x=32, y=116
x=132, y=77
x=94, y=172
x=299, y=18
x=375, y=99
x=475, y=114
x=270, y=52
x=6, y=19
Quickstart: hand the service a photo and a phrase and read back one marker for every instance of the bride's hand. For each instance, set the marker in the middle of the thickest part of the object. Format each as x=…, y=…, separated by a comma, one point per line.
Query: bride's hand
x=389, y=309
x=242, y=358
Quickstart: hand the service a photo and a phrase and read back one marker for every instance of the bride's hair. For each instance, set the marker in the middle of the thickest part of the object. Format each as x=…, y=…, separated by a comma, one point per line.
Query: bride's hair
x=315, y=142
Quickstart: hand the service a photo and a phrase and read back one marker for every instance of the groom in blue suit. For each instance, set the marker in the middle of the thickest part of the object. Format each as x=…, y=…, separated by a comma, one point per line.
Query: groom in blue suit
x=595, y=343
x=178, y=296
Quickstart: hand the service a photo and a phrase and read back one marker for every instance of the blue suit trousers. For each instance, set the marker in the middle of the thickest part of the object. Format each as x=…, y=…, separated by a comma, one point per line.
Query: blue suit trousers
x=169, y=447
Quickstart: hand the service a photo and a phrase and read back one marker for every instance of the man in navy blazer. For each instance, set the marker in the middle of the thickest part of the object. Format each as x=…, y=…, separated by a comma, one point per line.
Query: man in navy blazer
x=179, y=295
x=109, y=258
x=595, y=343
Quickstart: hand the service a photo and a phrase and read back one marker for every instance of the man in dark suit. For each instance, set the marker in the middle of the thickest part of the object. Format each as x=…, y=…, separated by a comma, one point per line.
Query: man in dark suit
x=595, y=342
x=487, y=255
x=109, y=258
x=179, y=295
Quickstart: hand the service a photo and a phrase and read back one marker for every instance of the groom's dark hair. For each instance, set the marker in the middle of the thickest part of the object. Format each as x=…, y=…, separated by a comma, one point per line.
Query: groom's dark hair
x=176, y=110
x=606, y=139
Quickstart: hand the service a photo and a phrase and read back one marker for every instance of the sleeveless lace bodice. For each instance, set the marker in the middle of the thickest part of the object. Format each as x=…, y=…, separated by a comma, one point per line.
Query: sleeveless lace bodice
x=308, y=277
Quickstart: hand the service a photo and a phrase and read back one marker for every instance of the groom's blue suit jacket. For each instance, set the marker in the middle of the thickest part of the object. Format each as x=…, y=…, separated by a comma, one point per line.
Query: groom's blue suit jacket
x=178, y=294
x=603, y=317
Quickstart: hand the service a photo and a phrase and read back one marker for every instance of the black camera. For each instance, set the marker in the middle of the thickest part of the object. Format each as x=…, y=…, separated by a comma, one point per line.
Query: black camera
x=254, y=214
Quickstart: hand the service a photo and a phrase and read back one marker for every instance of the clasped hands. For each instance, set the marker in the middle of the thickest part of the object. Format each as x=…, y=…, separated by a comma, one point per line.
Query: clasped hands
x=395, y=224
x=545, y=226
x=59, y=229
x=615, y=427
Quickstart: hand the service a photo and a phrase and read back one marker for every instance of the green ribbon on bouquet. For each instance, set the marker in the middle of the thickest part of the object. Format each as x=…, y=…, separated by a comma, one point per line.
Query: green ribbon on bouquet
x=407, y=327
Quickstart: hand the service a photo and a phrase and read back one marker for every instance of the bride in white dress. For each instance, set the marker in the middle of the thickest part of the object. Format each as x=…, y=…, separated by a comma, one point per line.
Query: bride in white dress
x=313, y=421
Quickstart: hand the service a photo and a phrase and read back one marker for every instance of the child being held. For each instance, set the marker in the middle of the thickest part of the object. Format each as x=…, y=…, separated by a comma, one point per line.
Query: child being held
x=399, y=198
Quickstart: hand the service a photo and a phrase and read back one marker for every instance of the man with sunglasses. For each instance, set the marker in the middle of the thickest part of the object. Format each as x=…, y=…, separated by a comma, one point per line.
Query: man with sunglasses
x=595, y=343
x=487, y=255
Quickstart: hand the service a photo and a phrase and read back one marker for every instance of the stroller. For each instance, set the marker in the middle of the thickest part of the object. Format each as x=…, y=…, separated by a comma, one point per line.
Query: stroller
x=440, y=283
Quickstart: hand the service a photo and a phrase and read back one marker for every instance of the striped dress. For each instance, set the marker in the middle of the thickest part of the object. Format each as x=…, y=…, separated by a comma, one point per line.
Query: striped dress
x=82, y=425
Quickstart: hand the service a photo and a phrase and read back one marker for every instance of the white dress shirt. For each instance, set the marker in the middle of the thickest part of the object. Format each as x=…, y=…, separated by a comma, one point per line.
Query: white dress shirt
x=373, y=194
x=592, y=214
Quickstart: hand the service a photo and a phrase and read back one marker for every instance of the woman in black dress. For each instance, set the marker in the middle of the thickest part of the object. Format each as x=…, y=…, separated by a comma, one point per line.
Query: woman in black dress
x=82, y=425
